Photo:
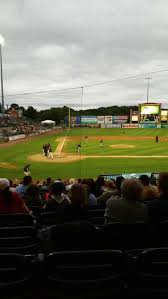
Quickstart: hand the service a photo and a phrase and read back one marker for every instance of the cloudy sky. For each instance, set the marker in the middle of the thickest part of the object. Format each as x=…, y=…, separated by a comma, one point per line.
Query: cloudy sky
x=60, y=44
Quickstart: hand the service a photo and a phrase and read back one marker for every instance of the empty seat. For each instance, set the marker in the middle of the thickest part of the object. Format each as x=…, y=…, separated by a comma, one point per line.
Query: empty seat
x=149, y=272
x=71, y=236
x=96, y=216
x=80, y=271
x=51, y=218
x=19, y=240
x=16, y=273
x=16, y=220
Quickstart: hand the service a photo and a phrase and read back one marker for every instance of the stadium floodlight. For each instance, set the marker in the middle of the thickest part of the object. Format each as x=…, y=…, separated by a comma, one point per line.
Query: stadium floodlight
x=2, y=41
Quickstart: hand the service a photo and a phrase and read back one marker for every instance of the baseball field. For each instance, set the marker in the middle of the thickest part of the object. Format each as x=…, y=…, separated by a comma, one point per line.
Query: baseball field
x=123, y=151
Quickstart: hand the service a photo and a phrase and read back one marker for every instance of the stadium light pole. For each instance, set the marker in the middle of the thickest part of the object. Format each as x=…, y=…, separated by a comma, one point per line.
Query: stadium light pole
x=69, y=118
x=148, y=83
x=2, y=90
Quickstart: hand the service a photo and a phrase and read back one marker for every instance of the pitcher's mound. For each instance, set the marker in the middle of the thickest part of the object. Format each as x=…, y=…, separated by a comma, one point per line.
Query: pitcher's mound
x=122, y=146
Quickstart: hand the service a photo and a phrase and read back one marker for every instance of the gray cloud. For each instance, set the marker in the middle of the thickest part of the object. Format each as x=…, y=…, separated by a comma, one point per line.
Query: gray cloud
x=52, y=44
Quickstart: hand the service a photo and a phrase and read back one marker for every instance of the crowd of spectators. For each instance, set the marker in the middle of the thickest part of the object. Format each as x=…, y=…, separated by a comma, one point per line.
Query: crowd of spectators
x=123, y=200
x=10, y=125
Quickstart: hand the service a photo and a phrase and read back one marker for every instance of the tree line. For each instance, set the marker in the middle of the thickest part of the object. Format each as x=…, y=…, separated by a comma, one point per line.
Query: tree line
x=60, y=114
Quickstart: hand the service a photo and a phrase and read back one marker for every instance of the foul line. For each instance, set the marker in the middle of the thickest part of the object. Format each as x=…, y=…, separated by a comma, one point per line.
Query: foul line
x=62, y=144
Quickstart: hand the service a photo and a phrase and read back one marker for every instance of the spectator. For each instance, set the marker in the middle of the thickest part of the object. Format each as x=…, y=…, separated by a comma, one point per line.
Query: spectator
x=10, y=202
x=77, y=211
x=78, y=195
x=99, y=185
x=108, y=194
x=45, y=189
x=92, y=200
x=32, y=196
x=12, y=186
x=158, y=208
x=127, y=209
x=149, y=191
x=21, y=189
x=57, y=198
x=71, y=183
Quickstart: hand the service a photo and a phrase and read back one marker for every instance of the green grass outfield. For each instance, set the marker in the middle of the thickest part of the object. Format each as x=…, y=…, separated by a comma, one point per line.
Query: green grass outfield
x=18, y=154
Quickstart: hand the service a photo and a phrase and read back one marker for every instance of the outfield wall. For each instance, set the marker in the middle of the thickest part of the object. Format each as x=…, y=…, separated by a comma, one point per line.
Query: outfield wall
x=135, y=126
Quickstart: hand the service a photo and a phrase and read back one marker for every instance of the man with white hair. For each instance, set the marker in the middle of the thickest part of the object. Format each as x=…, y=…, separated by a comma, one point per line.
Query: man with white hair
x=128, y=208
x=71, y=183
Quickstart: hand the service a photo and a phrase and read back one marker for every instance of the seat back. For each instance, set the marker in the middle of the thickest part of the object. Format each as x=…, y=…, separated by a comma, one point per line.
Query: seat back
x=96, y=216
x=91, y=269
x=16, y=271
x=18, y=240
x=51, y=218
x=8, y=220
x=150, y=272
x=71, y=236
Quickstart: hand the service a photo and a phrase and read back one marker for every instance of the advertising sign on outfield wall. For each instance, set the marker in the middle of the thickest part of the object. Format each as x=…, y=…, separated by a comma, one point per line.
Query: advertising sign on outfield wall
x=108, y=119
x=147, y=126
x=164, y=126
x=88, y=119
x=103, y=126
x=117, y=126
x=119, y=121
x=100, y=119
x=120, y=117
x=130, y=126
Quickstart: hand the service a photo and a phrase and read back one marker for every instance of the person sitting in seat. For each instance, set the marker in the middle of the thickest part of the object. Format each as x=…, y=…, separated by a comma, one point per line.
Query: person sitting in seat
x=32, y=196
x=149, y=191
x=158, y=208
x=57, y=197
x=10, y=202
x=128, y=208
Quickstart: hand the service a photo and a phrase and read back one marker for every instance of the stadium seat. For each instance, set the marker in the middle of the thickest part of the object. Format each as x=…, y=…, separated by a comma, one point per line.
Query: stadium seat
x=19, y=240
x=96, y=216
x=16, y=275
x=82, y=272
x=51, y=218
x=8, y=220
x=149, y=273
x=71, y=236
x=125, y=236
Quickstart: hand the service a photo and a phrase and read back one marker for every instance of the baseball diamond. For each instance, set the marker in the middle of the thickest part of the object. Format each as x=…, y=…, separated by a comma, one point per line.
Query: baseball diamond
x=133, y=151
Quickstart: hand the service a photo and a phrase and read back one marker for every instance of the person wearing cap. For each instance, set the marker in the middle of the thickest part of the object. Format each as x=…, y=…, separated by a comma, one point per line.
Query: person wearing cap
x=10, y=202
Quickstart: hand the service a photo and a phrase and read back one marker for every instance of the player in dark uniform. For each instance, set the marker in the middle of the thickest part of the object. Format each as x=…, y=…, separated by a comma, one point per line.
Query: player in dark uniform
x=101, y=143
x=157, y=139
x=27, y=169
x=79, y=148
